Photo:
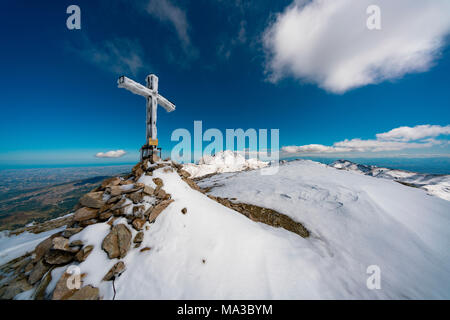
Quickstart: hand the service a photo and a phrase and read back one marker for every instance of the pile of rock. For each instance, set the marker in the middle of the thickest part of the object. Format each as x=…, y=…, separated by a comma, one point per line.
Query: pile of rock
x=118, y=197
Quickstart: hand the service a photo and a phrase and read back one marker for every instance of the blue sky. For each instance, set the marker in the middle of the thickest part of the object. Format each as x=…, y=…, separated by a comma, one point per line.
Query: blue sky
x=228, y=64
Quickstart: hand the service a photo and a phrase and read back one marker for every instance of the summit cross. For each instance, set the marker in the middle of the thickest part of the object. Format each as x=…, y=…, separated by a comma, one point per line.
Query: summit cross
x=150, y=149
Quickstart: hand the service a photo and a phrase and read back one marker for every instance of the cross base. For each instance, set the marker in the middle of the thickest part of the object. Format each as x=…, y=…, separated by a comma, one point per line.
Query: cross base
x=151, y=153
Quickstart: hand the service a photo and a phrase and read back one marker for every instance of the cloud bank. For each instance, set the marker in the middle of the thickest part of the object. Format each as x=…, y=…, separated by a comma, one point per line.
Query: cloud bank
x=111, y=154
x=401, y=138
x=327, y=42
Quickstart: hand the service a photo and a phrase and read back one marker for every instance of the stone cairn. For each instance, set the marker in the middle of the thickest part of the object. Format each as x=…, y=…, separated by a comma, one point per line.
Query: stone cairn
x=105, y=204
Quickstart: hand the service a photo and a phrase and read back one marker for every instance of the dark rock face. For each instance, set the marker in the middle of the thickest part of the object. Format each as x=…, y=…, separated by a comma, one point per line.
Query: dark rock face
x=58, y=257
x=117, y=242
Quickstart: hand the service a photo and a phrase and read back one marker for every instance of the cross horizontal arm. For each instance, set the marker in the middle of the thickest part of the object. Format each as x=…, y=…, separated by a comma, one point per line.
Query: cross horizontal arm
x=134, y=87
x=166, y=104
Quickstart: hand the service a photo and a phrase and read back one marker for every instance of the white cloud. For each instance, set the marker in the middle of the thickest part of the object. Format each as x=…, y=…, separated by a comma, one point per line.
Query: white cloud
x=397, y=139
x=111, y=154
x=118, y=55
x=165, y=11
x=327, y=42
x=414, y=133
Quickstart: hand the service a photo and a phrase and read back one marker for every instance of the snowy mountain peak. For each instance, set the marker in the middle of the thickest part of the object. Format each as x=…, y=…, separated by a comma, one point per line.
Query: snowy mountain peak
x=225, y=161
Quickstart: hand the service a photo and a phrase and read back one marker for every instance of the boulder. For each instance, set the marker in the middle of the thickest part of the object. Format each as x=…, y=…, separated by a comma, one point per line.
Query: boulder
x=105, y=215
x=148, y=190
x=93, y=200
x=159, y=183
x=162, y=195
x=84, y=253
x=89, y=222
x=60, y=243
x=58, y=257
x=111, y=182
x=76, y=243
x=115, y=271
x=70, y=232
x=139, y=237
x=156, y=210
x=138, y=211
x=136, y=197
x=138, y=224
x=113, y=199
x=62, y=290
x=117, y=242
x=184, y=211
x=115, y=191
x=38, y=272
x=85, y=214
x=42, y=248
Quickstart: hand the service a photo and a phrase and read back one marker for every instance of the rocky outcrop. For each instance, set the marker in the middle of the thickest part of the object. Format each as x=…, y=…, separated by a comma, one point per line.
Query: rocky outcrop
x=117, y=242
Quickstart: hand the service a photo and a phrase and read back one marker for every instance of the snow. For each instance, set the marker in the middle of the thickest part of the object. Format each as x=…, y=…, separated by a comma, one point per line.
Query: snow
x=437, y=185
x=213, y=252
x=356, y=221
x=225, y=161
x=14, y=246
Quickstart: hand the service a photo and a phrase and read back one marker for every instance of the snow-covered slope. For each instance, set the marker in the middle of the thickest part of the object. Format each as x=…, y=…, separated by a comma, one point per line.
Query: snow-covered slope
x=437, y=185
x=226, y=161
x=356, y=221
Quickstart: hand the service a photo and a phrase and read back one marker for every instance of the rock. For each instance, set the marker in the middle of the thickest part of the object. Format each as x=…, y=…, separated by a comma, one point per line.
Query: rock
x=139, y=185
x=139, y=237
x=184, y=211
x=126, y=182
x=70, y=232
x=42, y=248
x=115, y=191
x=145, y=249
x=60, y=243
x=86, y=293
x=115, y=271
x=14, y=288
x=136, y=197
x=156, y=210
x=105, y=215
x=159, y=183
x=111, y=182
x=113, y=199
x=85, y=214
x=138, y=173
x=86, y=223
x=138, y=211
x=84, y=253
x=38, y=272
x=39, y=293
x=62, y=290
x=148, y=190
x=76, y=243
x=29, y=267
x=117, y=242
x=162, y=195
x=93, y=200
x=58, y=257
x=184, y=173
x=119, y=204
x=138, y=224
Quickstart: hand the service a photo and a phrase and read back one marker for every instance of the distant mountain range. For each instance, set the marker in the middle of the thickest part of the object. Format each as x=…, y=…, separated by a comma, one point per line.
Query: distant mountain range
x=435, y=184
